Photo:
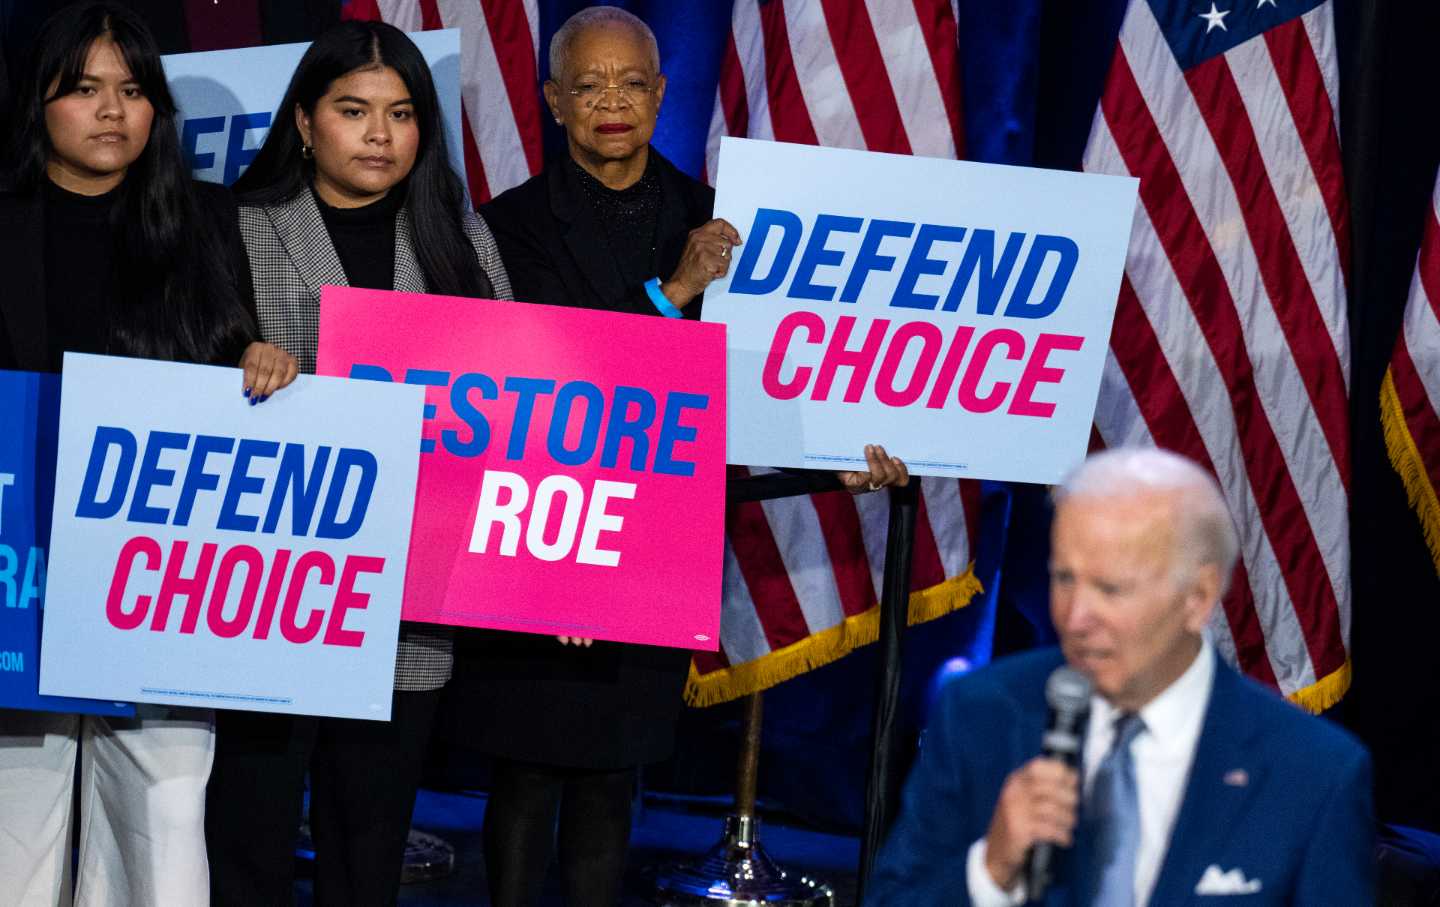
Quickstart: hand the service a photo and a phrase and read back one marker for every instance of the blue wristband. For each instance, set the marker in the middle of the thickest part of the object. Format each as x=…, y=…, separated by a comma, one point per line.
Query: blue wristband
x=666, y=307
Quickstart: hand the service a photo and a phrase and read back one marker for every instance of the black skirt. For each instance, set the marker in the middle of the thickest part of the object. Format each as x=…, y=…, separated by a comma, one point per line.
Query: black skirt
x=528, y=698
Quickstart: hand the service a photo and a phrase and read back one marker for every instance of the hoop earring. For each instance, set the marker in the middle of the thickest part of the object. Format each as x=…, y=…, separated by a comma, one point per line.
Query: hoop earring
x=307, y=151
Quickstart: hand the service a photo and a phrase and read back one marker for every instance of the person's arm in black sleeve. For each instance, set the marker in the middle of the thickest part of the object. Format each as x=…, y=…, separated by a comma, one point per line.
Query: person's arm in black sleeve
x=221, y=218
x=240, y=262
x=527, y=263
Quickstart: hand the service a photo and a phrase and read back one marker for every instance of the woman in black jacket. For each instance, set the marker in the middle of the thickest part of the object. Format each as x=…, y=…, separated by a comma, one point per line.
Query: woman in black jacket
x=111, y=248
x=614, y=226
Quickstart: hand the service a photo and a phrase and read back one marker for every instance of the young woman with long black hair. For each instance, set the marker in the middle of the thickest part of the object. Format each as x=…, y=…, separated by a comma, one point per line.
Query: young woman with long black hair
x=109, y=247
x=353, y=186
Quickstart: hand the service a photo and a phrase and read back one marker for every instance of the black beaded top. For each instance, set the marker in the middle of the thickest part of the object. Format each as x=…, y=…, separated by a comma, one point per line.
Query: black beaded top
x=628, y=219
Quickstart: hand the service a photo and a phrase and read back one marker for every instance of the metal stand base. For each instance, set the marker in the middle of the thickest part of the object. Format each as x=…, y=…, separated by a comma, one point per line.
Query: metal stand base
x=738, y=873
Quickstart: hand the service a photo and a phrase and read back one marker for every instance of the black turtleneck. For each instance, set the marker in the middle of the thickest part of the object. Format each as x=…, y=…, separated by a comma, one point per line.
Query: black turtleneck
x=364, y=238
x=79, y=271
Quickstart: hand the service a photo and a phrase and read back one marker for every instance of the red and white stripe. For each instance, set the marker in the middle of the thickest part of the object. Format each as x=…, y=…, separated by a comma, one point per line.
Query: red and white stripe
x=881, y=75
x=499, y=81
x=795, y=567
x=1230, y=342
x=1415, y=377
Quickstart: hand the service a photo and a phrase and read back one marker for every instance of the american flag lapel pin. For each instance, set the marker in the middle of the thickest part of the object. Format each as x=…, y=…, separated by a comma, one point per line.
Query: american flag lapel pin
x=1237, y=777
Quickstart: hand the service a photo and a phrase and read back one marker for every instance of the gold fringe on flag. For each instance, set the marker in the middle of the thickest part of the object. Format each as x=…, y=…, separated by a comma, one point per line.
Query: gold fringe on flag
x=828, y=645
x=1406, y=459
x=1325, y=692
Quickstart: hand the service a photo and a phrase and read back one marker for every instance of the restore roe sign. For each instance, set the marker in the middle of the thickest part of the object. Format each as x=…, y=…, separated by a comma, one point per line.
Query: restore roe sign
x=572, y=465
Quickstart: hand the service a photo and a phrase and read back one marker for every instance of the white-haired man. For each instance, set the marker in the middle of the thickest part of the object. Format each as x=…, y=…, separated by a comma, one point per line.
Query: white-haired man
x=1194, y=781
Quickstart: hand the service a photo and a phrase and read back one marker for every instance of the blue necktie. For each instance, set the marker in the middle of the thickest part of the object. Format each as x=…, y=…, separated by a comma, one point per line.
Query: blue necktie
x=1112, y=818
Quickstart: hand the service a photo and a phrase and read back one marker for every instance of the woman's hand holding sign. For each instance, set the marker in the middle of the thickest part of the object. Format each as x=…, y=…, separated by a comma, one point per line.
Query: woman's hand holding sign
x=882, y=471
x=706, y=257
x=267, y=369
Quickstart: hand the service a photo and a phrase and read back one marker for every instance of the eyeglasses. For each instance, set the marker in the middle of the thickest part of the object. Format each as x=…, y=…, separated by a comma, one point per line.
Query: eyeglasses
x=631, y=91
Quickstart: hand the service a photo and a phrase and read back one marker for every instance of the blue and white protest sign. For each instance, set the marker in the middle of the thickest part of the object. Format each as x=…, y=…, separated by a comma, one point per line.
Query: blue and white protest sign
x=957, y=313
x=227, y=99
x=211, y=553
x=29, y=416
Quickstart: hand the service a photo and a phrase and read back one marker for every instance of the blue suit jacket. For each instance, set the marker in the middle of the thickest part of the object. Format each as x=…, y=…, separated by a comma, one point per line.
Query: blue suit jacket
x=1276, y=793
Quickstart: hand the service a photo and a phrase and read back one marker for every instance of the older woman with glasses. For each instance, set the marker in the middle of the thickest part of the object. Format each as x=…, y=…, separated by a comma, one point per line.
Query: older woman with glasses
x=615, y=226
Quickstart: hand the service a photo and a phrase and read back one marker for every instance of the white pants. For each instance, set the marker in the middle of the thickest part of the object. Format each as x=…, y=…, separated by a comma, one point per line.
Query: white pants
x=142, y=808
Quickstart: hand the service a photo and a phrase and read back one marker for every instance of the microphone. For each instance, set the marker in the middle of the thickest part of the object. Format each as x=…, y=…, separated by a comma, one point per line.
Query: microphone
x=1068, y=694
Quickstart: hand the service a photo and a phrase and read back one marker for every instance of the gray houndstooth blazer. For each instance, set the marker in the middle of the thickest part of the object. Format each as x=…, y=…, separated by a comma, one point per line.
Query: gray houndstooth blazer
x=291, y=258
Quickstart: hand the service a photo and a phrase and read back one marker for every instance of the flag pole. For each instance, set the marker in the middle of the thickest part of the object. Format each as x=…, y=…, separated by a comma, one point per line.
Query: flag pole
x=737, y=872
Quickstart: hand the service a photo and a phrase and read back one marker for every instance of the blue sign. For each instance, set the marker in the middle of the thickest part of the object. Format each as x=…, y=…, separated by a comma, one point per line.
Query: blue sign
x=31, y=404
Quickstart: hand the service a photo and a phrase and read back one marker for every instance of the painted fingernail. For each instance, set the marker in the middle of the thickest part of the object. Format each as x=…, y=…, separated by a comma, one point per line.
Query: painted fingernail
x=252, y=401
x=247, y=391
x=264, y=398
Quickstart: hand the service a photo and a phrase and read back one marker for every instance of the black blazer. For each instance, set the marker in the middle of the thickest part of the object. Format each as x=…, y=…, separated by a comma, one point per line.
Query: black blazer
x=23, y=336
x=553, y=245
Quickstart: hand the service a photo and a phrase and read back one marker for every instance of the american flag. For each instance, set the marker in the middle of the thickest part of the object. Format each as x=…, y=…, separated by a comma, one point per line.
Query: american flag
x=882, y=75
x=499, y=79
x=1230, y=341
x=1410, y=394
x=801, y=574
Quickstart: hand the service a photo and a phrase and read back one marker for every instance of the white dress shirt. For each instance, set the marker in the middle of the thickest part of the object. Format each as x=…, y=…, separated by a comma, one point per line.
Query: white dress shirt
x=1162, y=754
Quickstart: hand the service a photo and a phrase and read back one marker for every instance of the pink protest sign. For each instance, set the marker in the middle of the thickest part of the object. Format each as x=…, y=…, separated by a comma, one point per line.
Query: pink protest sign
x=572, y=469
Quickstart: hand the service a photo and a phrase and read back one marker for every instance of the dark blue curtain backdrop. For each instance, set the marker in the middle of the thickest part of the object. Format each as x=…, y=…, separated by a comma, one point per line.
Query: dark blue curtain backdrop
x=1003, y=79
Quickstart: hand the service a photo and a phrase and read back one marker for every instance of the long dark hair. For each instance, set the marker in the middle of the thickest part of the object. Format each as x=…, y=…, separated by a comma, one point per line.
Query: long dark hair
x=177, y=286
x=434, y=194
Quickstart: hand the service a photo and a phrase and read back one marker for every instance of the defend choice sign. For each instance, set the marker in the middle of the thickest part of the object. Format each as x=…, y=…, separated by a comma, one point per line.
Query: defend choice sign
x=29, y=414
x=958, y=313
x=572, y=474
x=210, y=553
x=227, y=99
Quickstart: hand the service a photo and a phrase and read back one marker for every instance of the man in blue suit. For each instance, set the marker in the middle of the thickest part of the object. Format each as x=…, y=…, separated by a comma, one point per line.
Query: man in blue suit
x=1196, y=786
